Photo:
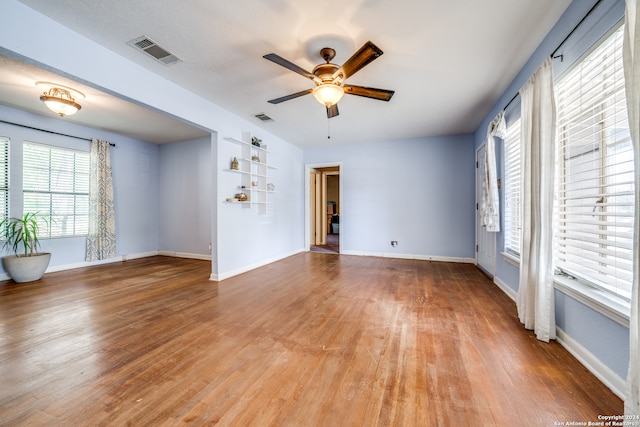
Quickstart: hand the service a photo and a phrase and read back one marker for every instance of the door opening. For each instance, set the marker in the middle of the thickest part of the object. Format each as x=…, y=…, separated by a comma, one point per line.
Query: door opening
x=324, y=209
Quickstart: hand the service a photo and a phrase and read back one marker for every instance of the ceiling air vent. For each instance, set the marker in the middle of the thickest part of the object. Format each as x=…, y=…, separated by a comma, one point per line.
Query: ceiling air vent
x=154, y=50
x=263, y=117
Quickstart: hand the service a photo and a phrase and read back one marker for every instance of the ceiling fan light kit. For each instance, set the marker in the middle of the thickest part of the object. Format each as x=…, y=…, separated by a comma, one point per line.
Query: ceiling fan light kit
x=329, y=78
x=328, y=94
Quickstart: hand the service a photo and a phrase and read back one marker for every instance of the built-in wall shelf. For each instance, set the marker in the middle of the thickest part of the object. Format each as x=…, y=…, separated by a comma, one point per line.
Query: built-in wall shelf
x=245, y=172
x=252, y=165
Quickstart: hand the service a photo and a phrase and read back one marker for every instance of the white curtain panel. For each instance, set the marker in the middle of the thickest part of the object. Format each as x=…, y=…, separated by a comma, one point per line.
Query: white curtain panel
x=490, y=205
x=535, y=300
x=631, y=58
x=101, y=240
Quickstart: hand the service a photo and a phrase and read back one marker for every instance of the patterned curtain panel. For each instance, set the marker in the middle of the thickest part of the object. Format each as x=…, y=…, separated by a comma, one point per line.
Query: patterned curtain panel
x=101, y=241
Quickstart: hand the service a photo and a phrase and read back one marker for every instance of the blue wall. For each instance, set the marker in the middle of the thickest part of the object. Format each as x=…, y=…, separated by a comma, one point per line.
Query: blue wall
x=419, y=192
x=185, y=197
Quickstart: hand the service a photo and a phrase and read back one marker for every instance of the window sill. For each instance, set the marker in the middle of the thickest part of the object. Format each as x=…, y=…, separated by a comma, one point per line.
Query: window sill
x=610, y=306
x=616, y=309
x=511, y=259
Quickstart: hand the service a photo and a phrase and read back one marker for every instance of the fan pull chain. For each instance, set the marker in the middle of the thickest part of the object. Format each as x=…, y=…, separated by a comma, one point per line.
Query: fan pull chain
x=328, y=128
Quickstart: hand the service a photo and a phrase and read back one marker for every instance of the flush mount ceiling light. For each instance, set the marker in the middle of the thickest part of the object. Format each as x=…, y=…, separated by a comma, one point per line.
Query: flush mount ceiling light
x=60, y=99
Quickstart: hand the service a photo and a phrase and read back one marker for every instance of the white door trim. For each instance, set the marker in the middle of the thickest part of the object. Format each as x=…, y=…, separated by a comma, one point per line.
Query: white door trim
x=307, y=200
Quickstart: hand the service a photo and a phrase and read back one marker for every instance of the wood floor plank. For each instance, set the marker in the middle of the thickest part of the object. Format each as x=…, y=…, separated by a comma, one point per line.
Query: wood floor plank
x=312, y=340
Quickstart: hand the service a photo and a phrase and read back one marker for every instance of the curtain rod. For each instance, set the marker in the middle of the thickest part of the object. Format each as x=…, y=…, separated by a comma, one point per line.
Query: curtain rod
x=50, y=131
x=593, y=8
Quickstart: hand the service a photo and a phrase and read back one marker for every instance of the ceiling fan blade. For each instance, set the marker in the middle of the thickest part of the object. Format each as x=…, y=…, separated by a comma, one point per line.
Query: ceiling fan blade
x=332, y=111
x=367, y=53
x=369, y=92
x=289, y=65
x=288, y=97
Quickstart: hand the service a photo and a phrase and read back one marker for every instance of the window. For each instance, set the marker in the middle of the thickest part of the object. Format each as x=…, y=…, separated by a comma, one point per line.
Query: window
x=56, y=187
x=595, y=189
x=4, y=177
x=512, y=201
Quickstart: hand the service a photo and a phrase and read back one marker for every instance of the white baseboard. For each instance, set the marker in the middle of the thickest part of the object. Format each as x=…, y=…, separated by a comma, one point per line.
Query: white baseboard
x=139, y=255
x=185, y=255
x=505, y=288
x=222, y=276
x=411, y=256
x=616, y=384
x=82, y=264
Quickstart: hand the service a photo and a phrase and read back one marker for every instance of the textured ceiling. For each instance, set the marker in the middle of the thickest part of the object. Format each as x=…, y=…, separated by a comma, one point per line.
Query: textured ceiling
x=447, y=61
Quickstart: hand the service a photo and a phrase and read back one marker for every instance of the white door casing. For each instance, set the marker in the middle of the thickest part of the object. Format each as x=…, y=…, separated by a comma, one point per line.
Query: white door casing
x=311, y=195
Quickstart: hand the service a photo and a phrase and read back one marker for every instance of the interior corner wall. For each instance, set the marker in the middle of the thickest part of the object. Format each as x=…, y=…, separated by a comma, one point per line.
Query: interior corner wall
x=185, y=187
x=418, y=192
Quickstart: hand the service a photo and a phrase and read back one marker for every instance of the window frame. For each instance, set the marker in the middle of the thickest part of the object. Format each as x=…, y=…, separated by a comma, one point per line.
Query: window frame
x=588, y=167
x=5, y=147
x=75, y=197
x=608, y=303
x=512, y=209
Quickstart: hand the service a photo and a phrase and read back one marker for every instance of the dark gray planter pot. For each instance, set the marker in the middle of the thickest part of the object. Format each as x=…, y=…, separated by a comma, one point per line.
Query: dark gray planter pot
x=26, y=268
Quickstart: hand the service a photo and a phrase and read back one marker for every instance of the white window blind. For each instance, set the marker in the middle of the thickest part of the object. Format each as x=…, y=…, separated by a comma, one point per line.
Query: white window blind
x=4, y=177
x=512, y=200
x=595, y=190
x=56, y=188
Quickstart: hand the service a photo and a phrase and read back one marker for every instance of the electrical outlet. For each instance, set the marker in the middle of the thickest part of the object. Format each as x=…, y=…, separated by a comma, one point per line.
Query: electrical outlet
x=394, y=243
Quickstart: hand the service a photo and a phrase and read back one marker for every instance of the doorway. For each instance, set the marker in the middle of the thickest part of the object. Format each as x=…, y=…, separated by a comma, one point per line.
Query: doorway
x=324, y=208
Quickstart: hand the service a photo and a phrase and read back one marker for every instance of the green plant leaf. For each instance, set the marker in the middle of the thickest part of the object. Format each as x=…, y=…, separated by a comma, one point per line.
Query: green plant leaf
x=21, y=234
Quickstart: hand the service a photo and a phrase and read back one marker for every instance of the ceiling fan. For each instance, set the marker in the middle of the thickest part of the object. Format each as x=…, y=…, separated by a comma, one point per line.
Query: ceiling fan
x=329, y=78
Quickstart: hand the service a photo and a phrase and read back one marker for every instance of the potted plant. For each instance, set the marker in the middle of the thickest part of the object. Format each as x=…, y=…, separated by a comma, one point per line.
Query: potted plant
x=21, y=236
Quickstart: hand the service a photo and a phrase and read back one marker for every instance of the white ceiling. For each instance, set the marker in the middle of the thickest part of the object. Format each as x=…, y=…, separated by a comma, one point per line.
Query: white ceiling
x=448, y=61
x=99, y=110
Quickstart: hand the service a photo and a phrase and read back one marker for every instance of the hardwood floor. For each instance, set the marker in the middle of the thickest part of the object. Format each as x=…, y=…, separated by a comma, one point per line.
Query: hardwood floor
x=332, y=246
x=312, y=340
